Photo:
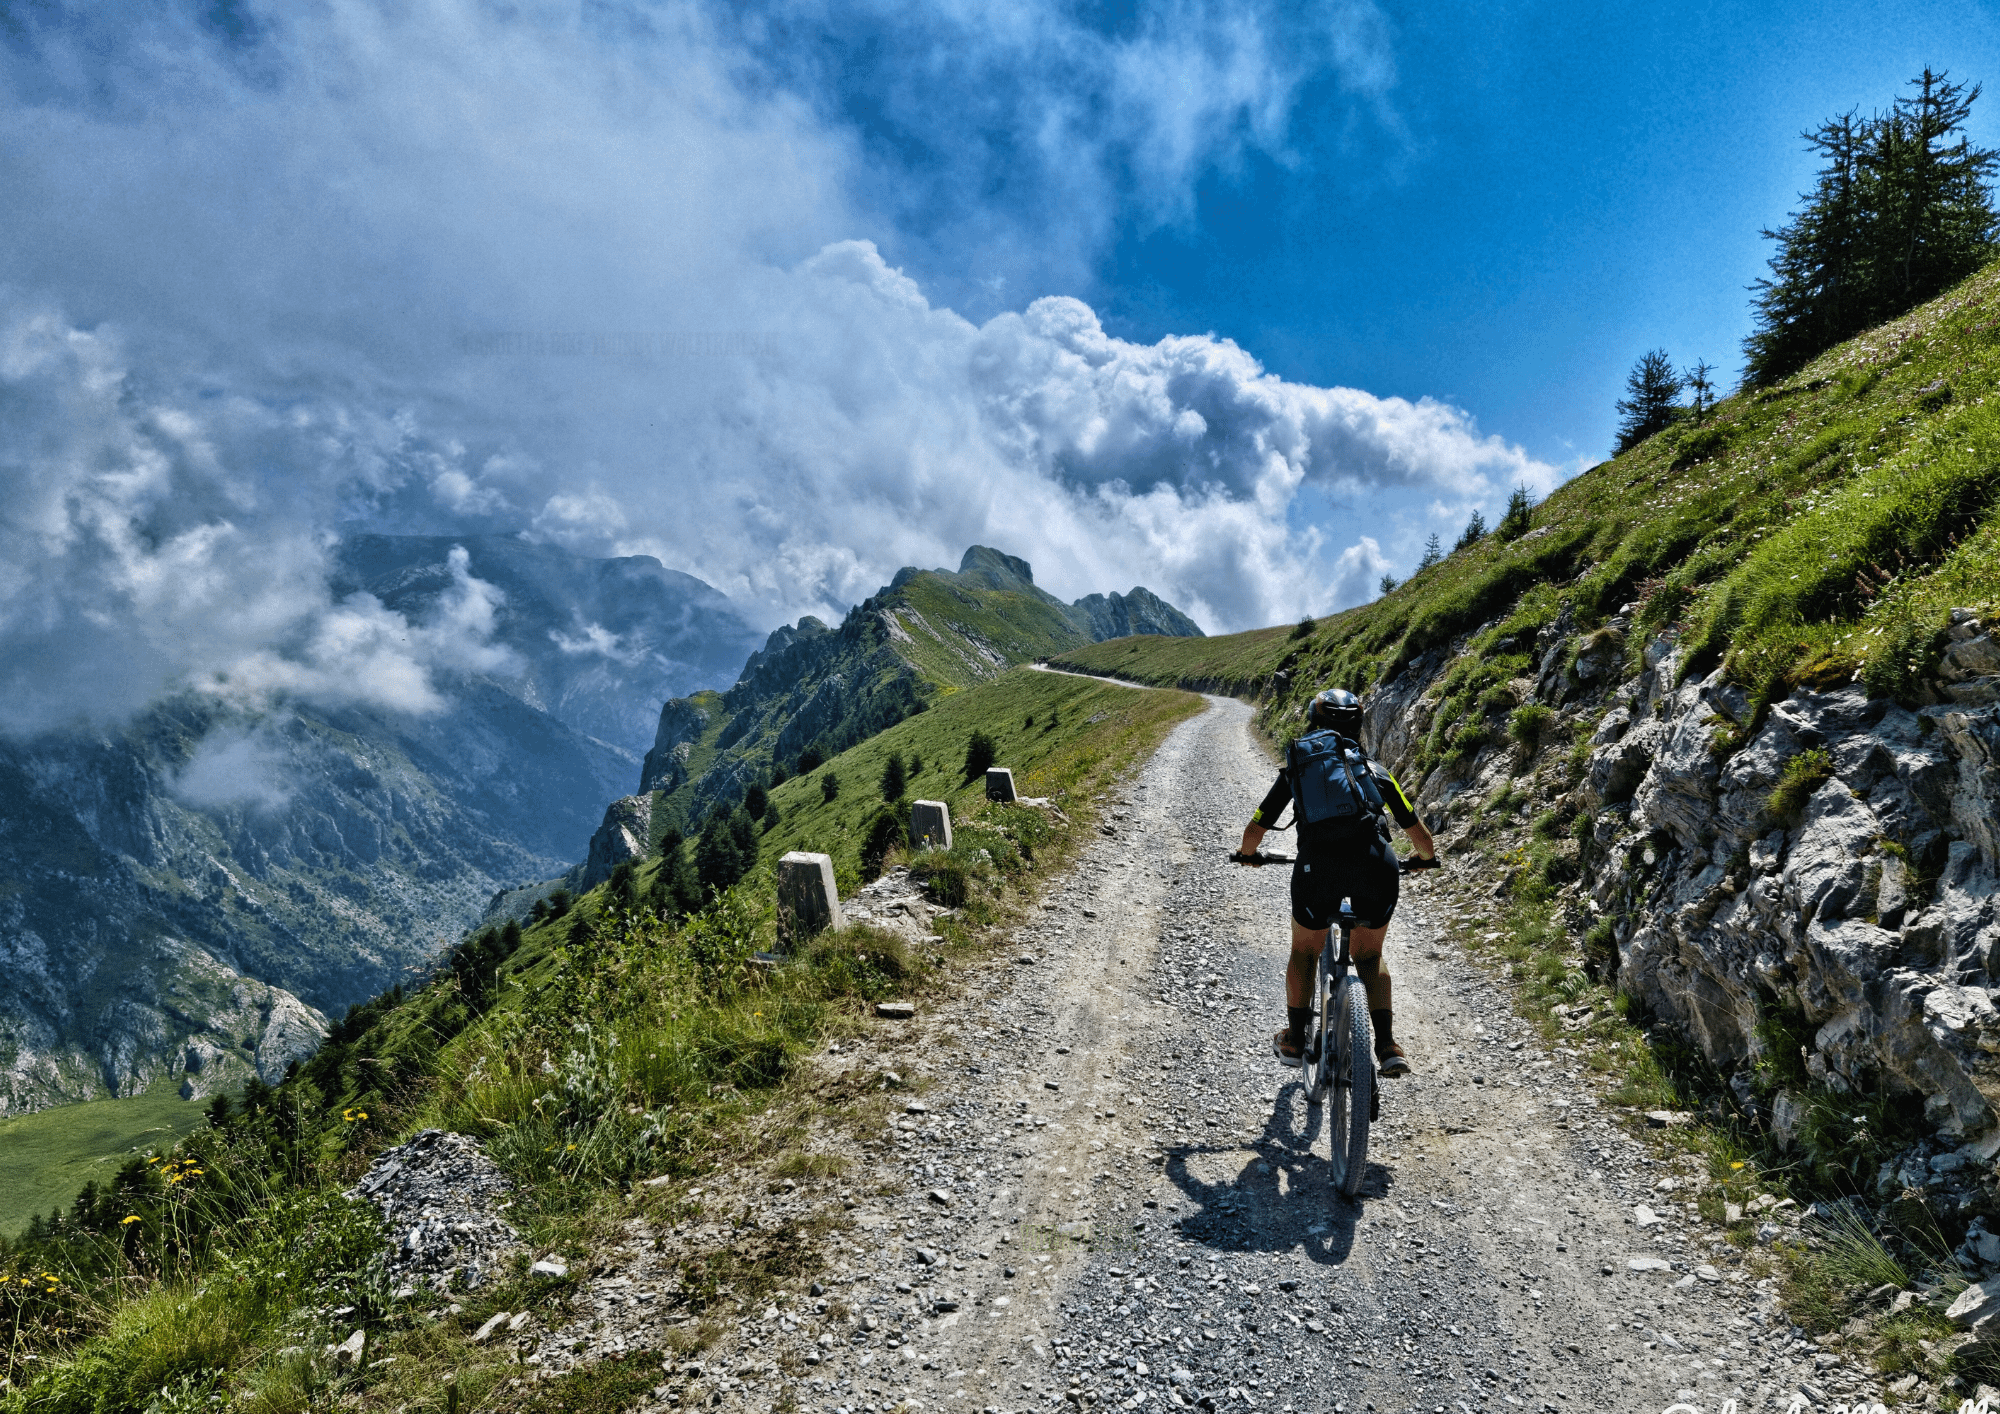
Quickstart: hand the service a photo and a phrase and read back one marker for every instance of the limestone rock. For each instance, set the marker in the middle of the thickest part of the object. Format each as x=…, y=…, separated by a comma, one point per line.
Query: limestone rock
x=681, y=725
x=1977, y=1309
x=627, y=833
x=439, y=1197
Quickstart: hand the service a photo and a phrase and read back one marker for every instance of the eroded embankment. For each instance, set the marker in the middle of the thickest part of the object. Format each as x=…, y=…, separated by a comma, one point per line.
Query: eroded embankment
x=1807, y=893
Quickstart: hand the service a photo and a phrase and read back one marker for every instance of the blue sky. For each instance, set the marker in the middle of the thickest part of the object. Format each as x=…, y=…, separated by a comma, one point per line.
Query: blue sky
x=1541, y=194
x=1237, y=299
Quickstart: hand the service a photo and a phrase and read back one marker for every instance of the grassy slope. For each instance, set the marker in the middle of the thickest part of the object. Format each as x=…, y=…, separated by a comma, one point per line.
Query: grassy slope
x=46, y=1156
x=608, y=1047
x=1805, y=533
x=950, y=633
x=1096, y=728
x=943, y=614
x=1237, y=663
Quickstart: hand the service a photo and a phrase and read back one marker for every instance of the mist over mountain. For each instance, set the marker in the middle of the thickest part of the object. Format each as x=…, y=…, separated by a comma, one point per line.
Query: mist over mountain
x=599, y=642
x=190, y=892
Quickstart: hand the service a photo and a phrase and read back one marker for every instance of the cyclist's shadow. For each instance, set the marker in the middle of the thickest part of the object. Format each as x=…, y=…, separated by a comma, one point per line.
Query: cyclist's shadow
x=1283, y=1198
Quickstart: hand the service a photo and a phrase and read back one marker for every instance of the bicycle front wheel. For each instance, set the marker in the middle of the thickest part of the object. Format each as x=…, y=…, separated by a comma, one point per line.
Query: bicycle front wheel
x=1348, y=1038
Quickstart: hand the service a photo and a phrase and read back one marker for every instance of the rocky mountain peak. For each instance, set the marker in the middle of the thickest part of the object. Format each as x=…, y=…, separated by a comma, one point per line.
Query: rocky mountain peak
x=996, y=569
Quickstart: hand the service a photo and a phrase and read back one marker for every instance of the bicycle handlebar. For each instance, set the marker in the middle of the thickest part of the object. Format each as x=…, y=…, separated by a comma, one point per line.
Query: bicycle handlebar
x=1416, y=863
x=1256, y=861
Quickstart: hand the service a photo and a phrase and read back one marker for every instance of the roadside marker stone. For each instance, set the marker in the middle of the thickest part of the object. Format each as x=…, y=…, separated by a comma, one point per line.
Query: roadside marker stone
x=1000, y=784
x=930, y=824
x=808, y=901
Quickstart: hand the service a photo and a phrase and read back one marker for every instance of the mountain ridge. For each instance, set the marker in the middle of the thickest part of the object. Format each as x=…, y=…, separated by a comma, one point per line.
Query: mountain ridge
x=812, y=691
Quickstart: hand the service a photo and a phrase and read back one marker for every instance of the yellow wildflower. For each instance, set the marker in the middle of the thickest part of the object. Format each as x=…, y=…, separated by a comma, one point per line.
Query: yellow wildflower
x=122, y=1222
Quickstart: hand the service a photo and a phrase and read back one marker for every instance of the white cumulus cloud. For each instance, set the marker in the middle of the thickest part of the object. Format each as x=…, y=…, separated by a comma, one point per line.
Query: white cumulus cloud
x=614, y=276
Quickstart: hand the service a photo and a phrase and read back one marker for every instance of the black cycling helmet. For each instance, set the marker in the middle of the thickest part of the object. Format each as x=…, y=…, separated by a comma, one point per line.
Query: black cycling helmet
x=1339, y=709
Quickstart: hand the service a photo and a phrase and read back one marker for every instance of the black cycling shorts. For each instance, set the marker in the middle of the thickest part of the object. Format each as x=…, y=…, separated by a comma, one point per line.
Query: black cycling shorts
x=1364, y=871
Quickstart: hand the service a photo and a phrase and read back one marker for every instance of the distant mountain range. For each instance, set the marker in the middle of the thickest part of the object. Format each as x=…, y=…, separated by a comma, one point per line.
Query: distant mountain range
x=602, y=642
x=190, y=896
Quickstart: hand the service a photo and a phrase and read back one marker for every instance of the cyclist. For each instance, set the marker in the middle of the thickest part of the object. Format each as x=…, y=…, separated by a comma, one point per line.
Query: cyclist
x=1343, y=852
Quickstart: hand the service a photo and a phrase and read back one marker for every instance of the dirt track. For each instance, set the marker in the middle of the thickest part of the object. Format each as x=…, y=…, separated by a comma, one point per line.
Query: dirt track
x=1127, y=1198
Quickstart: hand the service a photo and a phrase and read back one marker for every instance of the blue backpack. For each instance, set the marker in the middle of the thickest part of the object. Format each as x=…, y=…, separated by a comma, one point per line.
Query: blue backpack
x=1331, y=781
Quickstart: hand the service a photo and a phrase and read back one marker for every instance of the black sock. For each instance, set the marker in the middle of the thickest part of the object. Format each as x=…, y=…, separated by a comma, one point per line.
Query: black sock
x=1385, y=1028
x=1299, y=1018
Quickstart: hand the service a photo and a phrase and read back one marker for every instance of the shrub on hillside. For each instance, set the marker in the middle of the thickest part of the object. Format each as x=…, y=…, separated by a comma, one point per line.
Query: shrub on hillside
x=885, y=832
x=1303, y=628
x=1802, y=775
x=829, y=787
x=894, y=783
x=980, y=754
x=1527, y=723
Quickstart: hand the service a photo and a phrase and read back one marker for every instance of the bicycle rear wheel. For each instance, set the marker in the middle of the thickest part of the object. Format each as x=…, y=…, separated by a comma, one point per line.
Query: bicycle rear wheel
x=1318, y=1063
x=1353, y=1084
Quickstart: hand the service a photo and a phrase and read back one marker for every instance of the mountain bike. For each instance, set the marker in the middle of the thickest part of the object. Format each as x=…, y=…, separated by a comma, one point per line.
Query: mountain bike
x=1339, y=1059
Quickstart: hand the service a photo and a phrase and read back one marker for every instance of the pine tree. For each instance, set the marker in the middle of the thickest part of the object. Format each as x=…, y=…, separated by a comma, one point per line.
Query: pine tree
x=1898, y=214
x=718, y=859
x=1648, y=404
x=1387, y=584
x=1935, y=224
x=1520, y=512
x=756, y=799
x=620, y=888
x=980, y=753
x=894, y=782
x=1474, y=532
x=676, y=890
x=829, y=787
x=1818, y=295
x=1698, y=382
x=1433, y=553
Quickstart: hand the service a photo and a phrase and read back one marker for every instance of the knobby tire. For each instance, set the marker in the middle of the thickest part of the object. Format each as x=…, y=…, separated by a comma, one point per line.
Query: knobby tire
x=1354, y=1064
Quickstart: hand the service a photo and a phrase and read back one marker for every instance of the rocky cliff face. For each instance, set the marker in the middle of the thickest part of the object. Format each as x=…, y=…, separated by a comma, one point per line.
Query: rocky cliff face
x=1141, y=611
x=1854, y=915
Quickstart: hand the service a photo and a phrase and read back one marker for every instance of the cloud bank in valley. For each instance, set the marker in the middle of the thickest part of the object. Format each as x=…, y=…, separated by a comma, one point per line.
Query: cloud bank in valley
x=257, y=275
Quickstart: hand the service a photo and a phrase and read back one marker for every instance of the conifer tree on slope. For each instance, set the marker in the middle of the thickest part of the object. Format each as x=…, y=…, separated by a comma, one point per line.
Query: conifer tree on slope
x=1648, y=404
x=1899, y=213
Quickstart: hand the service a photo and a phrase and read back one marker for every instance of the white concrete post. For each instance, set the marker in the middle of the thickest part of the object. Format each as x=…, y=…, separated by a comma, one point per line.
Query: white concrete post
x=930, y=824
x=1000, y=784
x=807, y=899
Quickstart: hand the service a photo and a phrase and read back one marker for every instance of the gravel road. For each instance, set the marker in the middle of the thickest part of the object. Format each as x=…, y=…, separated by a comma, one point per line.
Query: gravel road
x=1109, y=1194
